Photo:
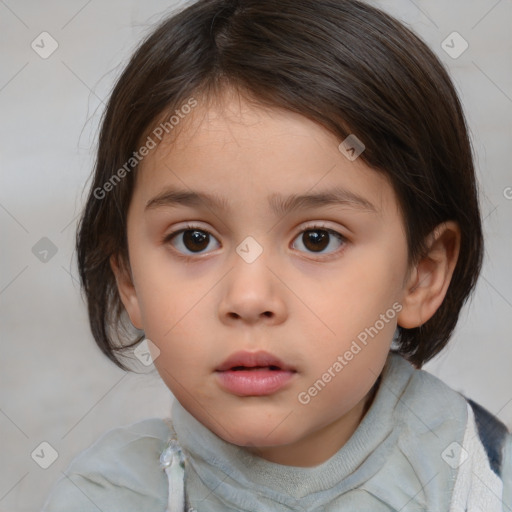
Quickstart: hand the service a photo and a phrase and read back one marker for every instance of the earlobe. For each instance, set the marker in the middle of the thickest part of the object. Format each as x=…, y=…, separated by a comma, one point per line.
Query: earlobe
x=429, y=279
x=127, y=291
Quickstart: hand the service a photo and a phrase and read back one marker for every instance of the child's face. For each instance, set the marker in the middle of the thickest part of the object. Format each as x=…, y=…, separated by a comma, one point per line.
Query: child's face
x=304, y=299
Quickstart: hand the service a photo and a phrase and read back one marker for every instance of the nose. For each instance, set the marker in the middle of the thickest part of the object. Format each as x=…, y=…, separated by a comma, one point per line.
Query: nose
x=252, y=293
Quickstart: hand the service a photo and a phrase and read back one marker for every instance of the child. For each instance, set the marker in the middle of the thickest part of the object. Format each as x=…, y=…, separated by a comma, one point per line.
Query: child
x=317, y=154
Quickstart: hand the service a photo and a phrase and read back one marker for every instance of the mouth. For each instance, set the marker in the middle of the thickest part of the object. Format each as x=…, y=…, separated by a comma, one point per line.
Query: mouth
x=241, y=361
x=254, y=374
x=245, y=368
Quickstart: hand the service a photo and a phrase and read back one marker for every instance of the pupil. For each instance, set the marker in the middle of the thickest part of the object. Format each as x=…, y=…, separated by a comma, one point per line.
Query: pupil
x=193, y=239
x=316, y=240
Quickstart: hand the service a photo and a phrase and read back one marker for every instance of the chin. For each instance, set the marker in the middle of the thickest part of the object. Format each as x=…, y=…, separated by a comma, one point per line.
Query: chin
x=256, y=435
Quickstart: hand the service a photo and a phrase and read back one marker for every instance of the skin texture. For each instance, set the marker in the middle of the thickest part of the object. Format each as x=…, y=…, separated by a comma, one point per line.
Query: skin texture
x=304, y=306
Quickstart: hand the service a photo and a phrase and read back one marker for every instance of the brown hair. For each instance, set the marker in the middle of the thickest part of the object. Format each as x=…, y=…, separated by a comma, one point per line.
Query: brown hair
x=341, y=63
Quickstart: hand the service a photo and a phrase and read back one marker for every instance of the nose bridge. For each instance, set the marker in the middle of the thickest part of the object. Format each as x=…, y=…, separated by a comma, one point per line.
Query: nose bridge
x=251, y=288
x=251, y=263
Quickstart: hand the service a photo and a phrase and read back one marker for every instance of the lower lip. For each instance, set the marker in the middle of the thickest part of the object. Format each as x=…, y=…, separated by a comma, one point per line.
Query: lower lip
x=258, y=382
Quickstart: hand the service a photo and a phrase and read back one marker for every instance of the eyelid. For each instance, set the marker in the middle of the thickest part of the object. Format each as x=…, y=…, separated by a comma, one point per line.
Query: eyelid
x=312, y=225
x=187, y=227
x=195, y=225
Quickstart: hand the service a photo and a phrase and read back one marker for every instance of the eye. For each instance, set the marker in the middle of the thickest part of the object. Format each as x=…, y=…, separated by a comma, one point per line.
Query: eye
x=191, y=238
x=195, y=240
x=317, y=238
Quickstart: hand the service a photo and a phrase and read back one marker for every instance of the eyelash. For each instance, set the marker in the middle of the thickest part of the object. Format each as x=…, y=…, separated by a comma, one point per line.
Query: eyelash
x=316, y=227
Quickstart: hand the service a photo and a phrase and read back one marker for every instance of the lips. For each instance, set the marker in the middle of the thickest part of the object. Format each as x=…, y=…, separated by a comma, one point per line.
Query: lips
x=253, y=360
x=254, y=374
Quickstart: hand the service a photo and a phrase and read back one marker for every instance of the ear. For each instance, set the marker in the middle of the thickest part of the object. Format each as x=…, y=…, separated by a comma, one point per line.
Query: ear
x=429, y=279
x=126, y=290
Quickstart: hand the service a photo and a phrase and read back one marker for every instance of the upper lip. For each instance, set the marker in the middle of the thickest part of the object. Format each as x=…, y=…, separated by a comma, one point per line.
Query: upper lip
x=251, y=360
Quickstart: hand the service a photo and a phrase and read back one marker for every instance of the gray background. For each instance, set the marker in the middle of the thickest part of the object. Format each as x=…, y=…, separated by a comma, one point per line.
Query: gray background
x=56, y=386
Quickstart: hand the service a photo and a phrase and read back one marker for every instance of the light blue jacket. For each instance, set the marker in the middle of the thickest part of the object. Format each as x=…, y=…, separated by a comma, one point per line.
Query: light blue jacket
x=421, y=447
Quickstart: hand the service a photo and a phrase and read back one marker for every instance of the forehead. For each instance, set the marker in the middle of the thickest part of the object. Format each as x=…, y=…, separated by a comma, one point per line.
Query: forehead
x=237, y=151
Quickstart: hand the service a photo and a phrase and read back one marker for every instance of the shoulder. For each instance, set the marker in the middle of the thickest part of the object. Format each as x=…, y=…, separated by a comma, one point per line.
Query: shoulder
x=442, y=405
x=119, y=472
x=439, y=402
x=424, y=400
x=445, y=430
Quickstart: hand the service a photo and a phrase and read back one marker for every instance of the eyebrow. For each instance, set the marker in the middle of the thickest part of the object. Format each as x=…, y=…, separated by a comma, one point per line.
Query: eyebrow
x=279, y=204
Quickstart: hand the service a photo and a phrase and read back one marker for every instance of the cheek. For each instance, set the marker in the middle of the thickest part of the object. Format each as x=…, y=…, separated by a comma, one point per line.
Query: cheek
x=353, y=299
x=183, y=364
x=161, y=299
x=356, y=316
x=332, y=392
